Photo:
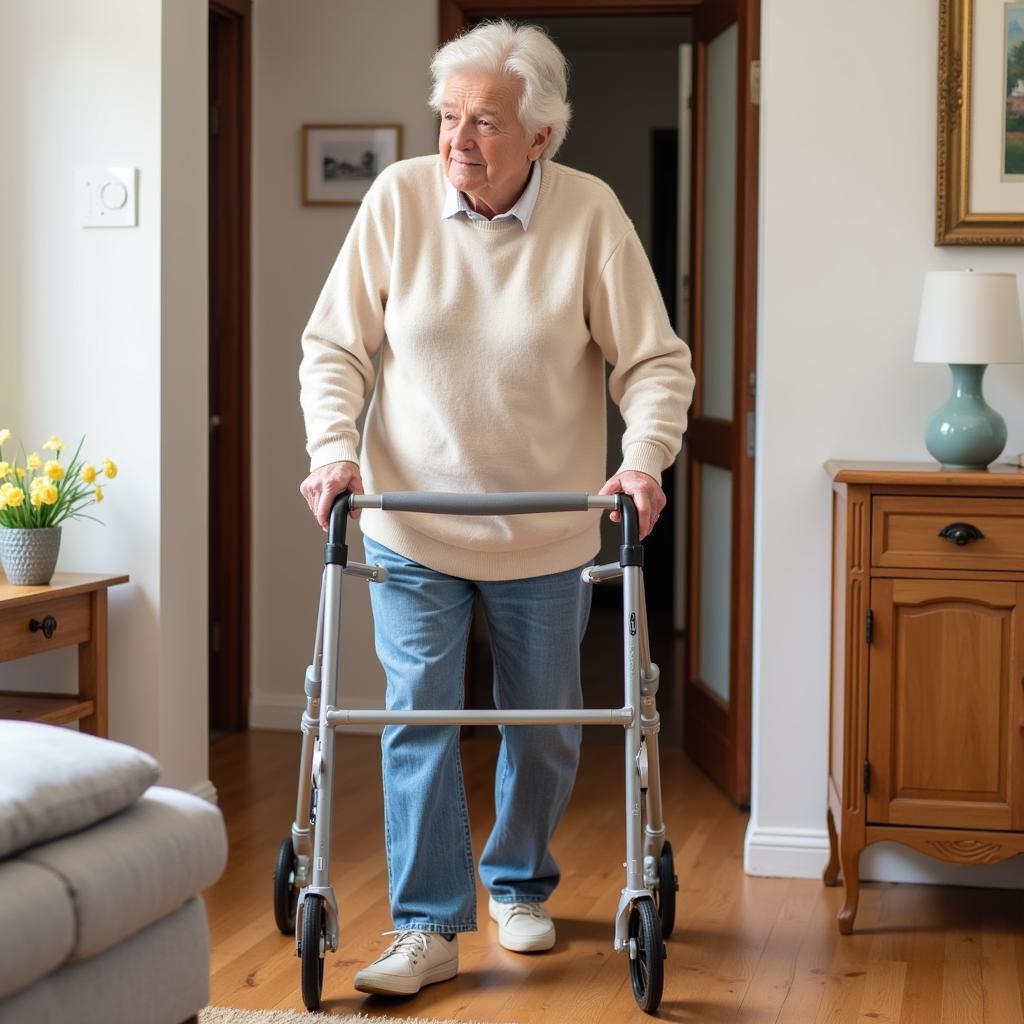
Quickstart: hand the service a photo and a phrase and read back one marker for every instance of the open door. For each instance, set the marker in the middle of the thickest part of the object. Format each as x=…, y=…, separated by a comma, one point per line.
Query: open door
x=720, y=438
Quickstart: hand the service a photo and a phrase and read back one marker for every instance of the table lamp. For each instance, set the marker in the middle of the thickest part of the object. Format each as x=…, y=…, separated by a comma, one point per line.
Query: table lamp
x=968, y=320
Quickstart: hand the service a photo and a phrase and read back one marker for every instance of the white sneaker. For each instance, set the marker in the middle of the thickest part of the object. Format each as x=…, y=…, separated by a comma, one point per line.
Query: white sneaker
x=522, y=927
x=413, y=960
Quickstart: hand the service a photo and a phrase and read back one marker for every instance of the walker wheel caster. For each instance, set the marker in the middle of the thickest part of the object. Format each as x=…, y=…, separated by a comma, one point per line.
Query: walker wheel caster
x=668, y=885
x=314, y=941
x=647, y=969
x=286, y=894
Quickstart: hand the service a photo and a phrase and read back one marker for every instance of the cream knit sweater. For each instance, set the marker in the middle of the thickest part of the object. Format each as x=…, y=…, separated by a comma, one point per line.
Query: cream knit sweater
x=493, y=342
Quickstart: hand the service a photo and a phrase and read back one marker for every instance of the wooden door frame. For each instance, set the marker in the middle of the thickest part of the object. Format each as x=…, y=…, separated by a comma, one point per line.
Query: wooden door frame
x=454, y=15
x=712, y=728
x=229, y=697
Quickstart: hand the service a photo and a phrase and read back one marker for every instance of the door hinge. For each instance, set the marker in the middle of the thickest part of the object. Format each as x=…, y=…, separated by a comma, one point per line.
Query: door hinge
x=869, y=627
x=755, y=82
x=751, y=435
x=867, y=776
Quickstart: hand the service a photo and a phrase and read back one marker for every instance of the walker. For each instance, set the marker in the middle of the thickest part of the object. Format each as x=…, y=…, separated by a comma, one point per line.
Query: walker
x=304, y=899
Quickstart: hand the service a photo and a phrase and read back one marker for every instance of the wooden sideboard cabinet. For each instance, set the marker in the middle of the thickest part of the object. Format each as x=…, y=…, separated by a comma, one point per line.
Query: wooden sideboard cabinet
x=926, y=731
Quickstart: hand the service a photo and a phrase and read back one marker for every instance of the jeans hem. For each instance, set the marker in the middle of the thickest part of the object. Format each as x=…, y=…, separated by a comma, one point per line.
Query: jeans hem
x=431, y=926
x=529, y=899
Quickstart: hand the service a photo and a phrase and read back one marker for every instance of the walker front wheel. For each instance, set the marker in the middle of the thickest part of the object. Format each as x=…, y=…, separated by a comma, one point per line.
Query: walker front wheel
x=314, y=944
x=646, y=955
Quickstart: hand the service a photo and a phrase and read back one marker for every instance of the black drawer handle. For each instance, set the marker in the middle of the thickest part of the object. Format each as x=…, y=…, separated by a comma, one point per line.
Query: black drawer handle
x=48, y=626
x=961, y=534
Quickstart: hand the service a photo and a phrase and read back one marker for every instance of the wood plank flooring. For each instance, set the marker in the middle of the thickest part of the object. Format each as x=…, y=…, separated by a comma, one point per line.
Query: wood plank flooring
x=762, y=950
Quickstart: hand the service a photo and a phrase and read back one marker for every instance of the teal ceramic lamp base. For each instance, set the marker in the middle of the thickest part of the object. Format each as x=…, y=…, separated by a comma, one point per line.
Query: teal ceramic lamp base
x=966, y=433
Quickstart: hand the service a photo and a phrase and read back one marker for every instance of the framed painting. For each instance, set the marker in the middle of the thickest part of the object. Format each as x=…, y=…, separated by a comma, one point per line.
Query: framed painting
x=980, y=168
x=340, y=161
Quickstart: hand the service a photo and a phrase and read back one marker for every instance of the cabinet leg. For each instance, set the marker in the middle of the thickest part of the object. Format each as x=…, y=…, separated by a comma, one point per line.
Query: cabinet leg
x=849, y=858
x=831, y=875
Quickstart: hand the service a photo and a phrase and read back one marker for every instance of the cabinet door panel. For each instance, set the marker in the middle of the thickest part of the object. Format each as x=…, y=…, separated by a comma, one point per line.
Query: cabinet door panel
x=944, y=704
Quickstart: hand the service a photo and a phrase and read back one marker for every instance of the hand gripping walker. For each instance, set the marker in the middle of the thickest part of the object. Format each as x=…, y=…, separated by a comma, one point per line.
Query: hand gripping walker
x=302, y=888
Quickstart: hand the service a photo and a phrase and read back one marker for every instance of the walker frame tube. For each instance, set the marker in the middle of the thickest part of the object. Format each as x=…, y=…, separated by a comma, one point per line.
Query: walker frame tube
x=638, y=714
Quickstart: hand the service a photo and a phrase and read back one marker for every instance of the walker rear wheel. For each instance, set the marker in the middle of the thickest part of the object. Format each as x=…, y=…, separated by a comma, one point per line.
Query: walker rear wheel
x=668, y=885
x=314, y=942
x=285, y=892
x=646, y=955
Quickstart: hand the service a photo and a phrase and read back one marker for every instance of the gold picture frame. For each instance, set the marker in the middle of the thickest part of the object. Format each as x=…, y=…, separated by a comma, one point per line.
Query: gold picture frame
x=340, y=161
x=966, y=156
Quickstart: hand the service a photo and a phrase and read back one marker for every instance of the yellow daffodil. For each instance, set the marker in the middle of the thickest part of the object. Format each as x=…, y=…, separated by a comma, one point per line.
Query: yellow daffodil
x=48, y=493
x=20, y=472
x=88, y=473
x=33, y=461
x=5, y=469
x=14, y=497
x=109, y=469
x=99, y=495
x=5, y=436
x=55, y=444
x=53, y=469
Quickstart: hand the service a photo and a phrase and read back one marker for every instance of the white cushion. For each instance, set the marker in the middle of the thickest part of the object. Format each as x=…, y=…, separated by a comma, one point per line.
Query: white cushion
x=130, y=870
x=54, y=781
x=37, y=924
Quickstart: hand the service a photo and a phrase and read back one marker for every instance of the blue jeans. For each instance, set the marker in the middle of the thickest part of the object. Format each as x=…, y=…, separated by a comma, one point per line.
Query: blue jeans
x=421, y=623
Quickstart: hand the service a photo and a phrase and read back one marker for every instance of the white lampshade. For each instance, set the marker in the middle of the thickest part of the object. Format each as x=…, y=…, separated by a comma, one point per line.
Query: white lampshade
x=968, y=317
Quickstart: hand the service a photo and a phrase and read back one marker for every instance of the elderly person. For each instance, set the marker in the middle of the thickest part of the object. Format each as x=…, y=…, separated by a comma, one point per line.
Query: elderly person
x=494, y=284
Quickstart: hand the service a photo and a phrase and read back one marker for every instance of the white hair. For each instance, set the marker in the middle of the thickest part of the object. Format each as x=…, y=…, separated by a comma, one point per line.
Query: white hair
x=523, y=52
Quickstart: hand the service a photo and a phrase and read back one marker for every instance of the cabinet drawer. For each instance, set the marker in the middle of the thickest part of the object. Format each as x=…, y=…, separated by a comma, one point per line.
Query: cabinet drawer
x=907, y=533
x=72, y=617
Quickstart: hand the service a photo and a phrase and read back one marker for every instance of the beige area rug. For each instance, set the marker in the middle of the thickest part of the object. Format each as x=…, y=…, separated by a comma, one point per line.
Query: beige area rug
x=220, y=1015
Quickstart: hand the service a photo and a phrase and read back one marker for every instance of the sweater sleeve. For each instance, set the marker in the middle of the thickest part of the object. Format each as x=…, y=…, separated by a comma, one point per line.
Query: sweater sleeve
x=344, y=333
x=651, y=381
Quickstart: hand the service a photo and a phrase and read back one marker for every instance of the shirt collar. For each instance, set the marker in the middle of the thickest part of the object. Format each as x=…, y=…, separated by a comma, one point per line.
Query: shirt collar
x=455, y=202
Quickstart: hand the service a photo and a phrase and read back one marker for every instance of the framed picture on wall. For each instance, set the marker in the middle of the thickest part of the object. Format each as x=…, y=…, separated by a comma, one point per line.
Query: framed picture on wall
x=340, y=161
x=980, y=168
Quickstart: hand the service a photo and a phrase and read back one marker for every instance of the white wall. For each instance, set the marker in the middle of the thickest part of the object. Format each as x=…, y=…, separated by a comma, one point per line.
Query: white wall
x=104, y=333
x=326, y=62
x=847, y=208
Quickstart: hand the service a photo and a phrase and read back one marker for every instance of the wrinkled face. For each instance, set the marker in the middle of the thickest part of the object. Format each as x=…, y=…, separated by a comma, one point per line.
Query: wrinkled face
x=484, y=149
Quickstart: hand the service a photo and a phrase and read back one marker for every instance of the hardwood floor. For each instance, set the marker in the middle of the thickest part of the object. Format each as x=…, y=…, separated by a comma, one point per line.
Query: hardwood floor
x=745, y=949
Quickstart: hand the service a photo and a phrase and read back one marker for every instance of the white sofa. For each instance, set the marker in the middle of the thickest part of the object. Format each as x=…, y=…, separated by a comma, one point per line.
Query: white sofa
x=101, y=921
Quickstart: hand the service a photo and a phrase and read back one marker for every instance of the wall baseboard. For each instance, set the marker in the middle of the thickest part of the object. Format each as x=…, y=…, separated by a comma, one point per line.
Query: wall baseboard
x=803, y=853
x=785, y=853
x=282, y=712
x=205, y=791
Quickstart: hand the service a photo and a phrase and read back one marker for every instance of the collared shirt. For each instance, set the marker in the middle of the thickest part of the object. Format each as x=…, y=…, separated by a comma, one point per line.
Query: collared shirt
x=455, y=202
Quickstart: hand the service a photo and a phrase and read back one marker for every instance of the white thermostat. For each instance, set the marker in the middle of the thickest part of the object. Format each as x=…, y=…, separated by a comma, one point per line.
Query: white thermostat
x=107, y=197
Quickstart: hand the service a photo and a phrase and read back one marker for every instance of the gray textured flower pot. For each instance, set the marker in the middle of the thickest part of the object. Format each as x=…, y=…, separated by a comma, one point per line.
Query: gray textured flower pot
x=29, y=556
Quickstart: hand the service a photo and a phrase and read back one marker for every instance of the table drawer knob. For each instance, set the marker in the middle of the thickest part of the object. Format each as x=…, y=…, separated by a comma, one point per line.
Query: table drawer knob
x=48, y=626
x=961, y=534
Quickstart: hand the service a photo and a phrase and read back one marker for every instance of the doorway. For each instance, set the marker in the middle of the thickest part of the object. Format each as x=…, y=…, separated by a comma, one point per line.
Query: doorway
x=700, y=631
x=230, y=24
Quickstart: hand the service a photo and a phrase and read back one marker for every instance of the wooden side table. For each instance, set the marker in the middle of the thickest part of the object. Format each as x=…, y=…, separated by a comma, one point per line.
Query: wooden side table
x=926, y=743
x=72, y=609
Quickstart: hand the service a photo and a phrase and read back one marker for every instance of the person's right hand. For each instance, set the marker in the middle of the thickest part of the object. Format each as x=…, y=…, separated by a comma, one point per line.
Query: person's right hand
x=323, y=485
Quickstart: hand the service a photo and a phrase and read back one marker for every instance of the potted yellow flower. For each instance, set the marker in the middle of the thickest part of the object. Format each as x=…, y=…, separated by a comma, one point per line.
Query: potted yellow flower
x=35, y=499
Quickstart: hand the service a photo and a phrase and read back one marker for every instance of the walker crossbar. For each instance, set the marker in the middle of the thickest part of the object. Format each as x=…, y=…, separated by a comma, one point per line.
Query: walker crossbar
x=511, y=503
x=584, y=716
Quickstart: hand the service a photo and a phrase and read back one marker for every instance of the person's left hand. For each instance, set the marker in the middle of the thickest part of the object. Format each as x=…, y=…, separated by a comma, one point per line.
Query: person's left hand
x=649, y=498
